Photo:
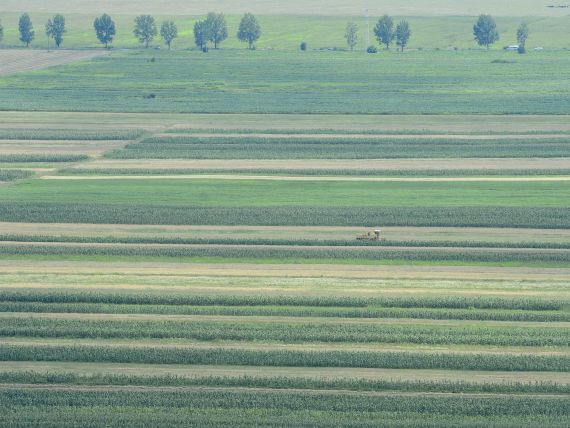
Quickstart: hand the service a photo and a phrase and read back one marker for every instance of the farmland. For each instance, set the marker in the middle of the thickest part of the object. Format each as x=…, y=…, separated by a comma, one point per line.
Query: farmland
x=285, y=238
x=205, y=269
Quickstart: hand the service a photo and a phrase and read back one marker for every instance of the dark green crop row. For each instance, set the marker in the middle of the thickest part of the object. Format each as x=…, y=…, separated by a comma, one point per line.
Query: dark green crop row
x=472, y=405
x=300, y=253
x=319, y=172
x=475, y=216
x=255, y=300
x=61, y=416
x=14, y=174
x=284, y=382
x=327, y=332
x=286, y=358
x=68, y=134
x=291, y=311
x=190, y=147
x=34, y=158
x=276, y=241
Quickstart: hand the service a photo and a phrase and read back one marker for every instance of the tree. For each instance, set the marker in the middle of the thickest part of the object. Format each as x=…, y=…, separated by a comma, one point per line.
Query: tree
x=145, y=29
x=201, y=35
x=485, y=31
x=403, y=34
x=351, y=35
x=168, y=32
x=384, y=31
x=1, y=32
x=522, y=36
x=216, y=28
x=105, y=29
x=249, y=30
x=55, y=28
x=26, y=28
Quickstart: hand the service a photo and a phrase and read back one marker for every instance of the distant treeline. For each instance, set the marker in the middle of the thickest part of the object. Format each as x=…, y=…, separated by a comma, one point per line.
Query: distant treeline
x=214, y=29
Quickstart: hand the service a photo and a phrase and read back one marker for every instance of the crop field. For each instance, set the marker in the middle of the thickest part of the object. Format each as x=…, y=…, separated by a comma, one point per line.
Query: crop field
x=205, y=270
x=279, y=237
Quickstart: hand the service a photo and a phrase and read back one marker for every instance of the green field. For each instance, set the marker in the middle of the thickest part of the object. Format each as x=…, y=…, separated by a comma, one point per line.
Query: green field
x=295, y=82
x=284, y=238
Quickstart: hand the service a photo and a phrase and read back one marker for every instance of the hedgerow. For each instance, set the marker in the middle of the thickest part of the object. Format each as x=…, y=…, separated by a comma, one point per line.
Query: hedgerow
x=14, y=174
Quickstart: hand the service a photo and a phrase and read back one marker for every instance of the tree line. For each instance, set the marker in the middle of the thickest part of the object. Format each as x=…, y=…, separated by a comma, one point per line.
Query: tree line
x=214, y=29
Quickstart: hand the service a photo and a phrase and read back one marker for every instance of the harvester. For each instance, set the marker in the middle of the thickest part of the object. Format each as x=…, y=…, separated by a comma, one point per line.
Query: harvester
x=370, y=236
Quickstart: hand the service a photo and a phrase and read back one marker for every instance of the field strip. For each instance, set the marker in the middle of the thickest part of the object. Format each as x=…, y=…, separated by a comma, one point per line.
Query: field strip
x=346, y=136
x=301, y=372
x=235, y=389
x=464, y=233
x=305, y=248
x=383, y=164
x=269, y=345
x=19, y=60
x=461, y=123
x=282, y=319
x=286, y=270
x=300, y=178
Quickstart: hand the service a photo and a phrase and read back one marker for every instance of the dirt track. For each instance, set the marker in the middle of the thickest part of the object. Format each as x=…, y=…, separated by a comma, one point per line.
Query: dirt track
x=18, y=60
x=382, y=164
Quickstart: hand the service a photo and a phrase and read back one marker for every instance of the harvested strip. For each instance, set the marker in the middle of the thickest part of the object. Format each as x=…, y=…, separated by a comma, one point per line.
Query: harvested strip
x=303, y=178
x=379, y=164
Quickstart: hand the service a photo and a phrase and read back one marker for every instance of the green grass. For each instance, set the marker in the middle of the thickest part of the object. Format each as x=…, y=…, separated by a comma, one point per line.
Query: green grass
x=41, y=158
x=294, y=82
x=261, y=193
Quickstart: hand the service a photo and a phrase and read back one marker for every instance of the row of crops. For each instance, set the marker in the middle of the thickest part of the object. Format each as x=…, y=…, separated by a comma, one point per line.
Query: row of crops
x=122, y=213
x=321, y=172
x=454, y=254
x=190, y=147
x=308, y=242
